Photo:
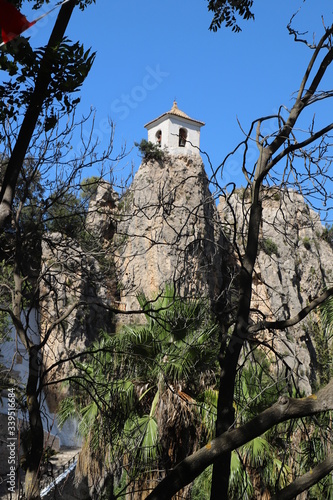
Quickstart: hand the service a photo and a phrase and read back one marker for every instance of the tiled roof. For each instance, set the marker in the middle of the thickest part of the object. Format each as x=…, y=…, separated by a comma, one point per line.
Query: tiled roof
x=174, y=111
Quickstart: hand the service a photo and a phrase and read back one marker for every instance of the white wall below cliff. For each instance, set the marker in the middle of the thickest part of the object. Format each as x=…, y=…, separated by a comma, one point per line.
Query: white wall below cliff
x=15, y=358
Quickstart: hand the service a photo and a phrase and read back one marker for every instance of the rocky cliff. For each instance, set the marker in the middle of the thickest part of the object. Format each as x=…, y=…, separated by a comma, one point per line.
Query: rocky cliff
x=167, y=228
x=168, y=233
x=75, y=294
x=294, y=265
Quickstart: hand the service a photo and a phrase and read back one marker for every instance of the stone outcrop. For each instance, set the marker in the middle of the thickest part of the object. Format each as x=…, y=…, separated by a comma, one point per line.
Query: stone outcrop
x=101, y=221
x=72, y=284
x=167, y=229
x=167, y=233
x=294, y=265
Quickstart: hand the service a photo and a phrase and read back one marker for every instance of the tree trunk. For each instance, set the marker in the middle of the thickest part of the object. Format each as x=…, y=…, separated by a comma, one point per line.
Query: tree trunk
x=229, y=358
x=35, y=454
x=31, y=116
x=225, y=420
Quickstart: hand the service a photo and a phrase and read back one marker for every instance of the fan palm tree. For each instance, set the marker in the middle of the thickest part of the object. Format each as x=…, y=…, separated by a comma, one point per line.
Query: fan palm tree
x=256, y=467
x=316, y=434
x=144, y=385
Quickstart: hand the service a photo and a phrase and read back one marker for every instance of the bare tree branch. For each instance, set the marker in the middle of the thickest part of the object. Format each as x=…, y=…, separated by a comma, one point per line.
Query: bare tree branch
x=281, y=325
x=305, y=482
x=37, y=99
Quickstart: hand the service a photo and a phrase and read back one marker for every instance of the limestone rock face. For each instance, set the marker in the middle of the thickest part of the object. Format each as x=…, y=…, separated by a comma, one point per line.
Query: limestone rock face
x=293, y=266
x=72, y=287
x=167, y=233
x=167, y=229
x=100, y=218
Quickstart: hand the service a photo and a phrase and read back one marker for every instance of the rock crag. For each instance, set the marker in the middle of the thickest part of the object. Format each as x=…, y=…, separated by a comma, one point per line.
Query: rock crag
x=167, y=232
x=294, y=265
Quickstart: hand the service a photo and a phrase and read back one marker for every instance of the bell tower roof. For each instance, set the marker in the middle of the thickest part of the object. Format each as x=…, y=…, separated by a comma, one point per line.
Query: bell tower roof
x=176, y=131
x=175, y=111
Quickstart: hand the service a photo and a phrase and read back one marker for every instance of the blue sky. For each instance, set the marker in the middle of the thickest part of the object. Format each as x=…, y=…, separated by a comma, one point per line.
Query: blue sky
x=150, y=53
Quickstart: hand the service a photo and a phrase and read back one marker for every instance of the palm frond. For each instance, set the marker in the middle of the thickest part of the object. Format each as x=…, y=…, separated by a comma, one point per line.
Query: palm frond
x=67, y=409
x=326, y=311
x=148, y=445
x=142, y=438
x=257, y=451
x=208, y=412
x=88, y=417
x=240, y=485
x=277, y=474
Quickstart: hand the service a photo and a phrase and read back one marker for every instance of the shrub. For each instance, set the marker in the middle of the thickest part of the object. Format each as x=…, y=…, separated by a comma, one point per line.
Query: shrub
x=306, y=242
x=149, y=150
x=327, y=234
x=270, y=247
x=244, y=193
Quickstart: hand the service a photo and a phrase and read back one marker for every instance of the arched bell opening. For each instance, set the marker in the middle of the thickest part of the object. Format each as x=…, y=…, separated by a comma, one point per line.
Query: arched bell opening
x=158, y=136
x=182, y=137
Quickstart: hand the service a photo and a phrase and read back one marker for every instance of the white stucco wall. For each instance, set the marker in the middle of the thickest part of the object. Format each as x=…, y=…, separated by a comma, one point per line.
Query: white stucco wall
x=13, y=352
x=14, y=356
x=169, y=127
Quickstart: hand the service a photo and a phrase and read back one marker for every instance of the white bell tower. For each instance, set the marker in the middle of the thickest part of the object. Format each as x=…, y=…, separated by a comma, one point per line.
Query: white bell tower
x=175, y=131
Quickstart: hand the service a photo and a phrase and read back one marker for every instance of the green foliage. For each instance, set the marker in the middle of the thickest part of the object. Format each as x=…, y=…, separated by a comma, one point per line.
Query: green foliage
x=327, y=234
x=244, y=193
x=202, y=485
x=239, y=478
x=142, y=434
x=178, y=329
x=125, y=205
x=225, y=12
x=67, y=410
x=270, y=247
x=257, y=388
x=66, y=214
x=70, y=64
x=208, y=411
x=150, y=151
x=124, y=385
x=265, y=462
x=307, y=242
x=320, y=328
x=89, y=187
x=314, y=448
